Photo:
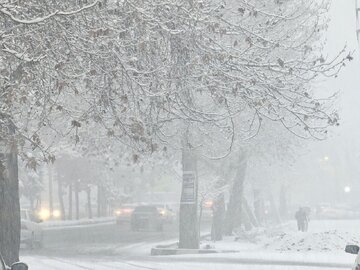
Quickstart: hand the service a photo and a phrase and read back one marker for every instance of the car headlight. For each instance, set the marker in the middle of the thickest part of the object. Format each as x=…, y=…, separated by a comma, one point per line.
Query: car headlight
x=208, y=204
x=44, y=214
x=56, y=214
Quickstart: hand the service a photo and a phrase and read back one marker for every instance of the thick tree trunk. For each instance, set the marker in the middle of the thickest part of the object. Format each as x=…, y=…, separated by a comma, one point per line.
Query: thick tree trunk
x=101, y=198
x=234, y=212
x=88, y=192
x=274, y=209
x=99, y=201
x=32, y=205
x=51, y=196
x=61, y=199
x=9, y=206
x=245, y=217
x=259, y=206
x=218, y=218
x=201, y=208
x=188, y=234
x=77, y=202
x=283, y=203
x=70, y=216
x=250, y=214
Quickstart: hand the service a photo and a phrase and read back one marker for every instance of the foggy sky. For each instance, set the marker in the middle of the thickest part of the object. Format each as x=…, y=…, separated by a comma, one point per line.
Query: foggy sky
x=311, y=173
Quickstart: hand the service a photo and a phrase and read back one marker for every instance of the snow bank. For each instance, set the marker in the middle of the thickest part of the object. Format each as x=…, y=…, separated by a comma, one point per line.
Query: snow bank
x=328, y=241
x=324, y=244
x=323, y=236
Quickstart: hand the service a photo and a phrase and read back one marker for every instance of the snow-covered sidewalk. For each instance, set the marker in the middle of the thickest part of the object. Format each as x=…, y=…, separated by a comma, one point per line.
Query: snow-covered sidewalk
x=323, y=244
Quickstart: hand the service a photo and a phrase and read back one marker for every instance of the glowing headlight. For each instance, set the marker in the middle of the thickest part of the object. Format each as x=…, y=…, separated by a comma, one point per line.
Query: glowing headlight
x=56, y=213
x=44, y=214
x=208, y=204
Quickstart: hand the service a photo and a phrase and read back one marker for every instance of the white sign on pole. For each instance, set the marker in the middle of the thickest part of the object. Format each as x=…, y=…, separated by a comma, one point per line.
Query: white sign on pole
x=188, y=194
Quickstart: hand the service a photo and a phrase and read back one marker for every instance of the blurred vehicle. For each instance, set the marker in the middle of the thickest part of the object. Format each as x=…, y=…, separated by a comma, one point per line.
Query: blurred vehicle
x=207, y=210
x=166, y=212
x=336, y=212
x=123, y=213
x=45, y=214
x=147, y=217
x=354, y=249
x=31, y=231
x=15, y=266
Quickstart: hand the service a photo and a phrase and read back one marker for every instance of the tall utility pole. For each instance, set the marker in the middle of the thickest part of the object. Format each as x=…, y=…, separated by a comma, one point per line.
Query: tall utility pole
x=357, y=9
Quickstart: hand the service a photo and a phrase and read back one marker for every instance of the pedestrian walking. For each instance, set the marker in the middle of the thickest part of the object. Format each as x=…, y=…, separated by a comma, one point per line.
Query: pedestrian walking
x=302, y=219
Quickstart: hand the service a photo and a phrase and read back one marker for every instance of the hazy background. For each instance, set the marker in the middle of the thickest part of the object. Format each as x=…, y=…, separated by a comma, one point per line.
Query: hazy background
x=325, y=168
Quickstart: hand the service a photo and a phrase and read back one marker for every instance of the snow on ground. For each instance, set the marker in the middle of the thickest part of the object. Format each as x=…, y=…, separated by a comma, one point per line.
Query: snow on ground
x=324, y=243
x=40, y=263
x=278, y=248
x=136, y=249
x=56, y=224
x=324, y=236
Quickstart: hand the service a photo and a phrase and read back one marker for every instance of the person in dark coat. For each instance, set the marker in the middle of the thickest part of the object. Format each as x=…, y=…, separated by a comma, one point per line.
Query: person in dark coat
x=302, y=219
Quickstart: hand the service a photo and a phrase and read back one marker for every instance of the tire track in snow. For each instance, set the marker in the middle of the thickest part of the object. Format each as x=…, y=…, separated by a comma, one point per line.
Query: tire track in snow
x=135, y=265
x=244, y=261
x=55, y=263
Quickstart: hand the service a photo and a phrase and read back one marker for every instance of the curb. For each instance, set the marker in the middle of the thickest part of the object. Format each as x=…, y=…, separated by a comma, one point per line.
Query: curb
x=172, y=249
x=174, y=245
x=180, y=251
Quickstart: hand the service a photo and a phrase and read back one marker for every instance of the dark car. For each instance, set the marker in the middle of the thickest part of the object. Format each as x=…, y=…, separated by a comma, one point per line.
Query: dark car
x=123, y=213
x=15, y=266
x=147, y=217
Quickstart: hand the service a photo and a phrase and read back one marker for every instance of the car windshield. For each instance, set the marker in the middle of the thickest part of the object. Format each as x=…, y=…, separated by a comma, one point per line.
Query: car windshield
x=180, y=134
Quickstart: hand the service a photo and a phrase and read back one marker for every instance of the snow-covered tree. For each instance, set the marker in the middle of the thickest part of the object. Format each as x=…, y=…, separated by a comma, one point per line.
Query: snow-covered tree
x=25, y=98
x=153, y=73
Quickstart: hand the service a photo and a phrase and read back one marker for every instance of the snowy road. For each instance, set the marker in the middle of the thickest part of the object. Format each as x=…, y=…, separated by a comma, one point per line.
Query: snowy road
x=103, y=233
x=42, y=263
x=103, y=239
x=112, y=247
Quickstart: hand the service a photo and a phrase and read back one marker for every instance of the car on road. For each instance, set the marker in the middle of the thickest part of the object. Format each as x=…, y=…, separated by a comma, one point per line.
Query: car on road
x=207, y=210
x=354, y=249
x=31, y=231
x=123, y=213
x=166, y=212
x=147, y=217
x=327, y=211
x=15, y=266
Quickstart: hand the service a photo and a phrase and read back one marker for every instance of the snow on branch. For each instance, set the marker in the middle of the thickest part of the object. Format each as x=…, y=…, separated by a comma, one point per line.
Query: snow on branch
x=21, y=56
x=42, y=19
